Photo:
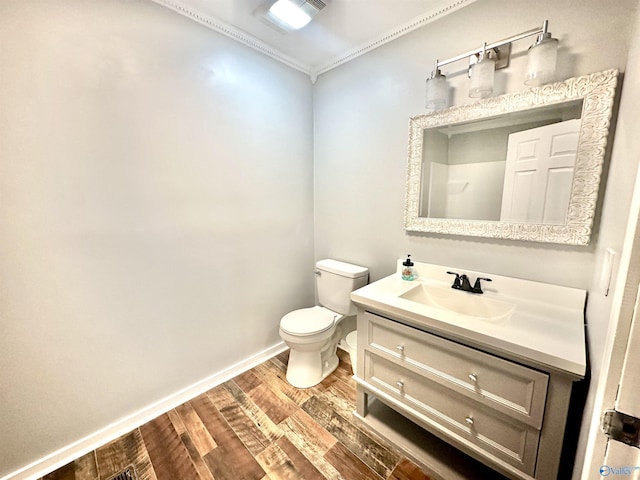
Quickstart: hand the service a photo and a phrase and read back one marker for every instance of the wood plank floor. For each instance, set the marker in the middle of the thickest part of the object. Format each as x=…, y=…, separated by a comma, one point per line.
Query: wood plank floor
x=254, y=427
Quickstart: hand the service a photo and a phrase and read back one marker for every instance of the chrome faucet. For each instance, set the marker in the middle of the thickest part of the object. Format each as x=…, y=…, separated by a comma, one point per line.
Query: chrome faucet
x=461, y=282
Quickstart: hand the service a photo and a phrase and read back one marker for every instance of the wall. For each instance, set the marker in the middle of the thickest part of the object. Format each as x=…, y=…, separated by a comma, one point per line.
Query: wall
x=361, y=112
x=155, y=212
x=615, y=215
x=461, y=178
x=156, y=194
x=475, y=190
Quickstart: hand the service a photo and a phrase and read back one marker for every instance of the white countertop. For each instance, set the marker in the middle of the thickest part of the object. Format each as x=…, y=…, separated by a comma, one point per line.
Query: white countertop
x=546, y=326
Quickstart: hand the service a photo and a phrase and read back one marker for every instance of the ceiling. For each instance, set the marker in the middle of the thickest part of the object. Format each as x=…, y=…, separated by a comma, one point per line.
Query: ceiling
x=341, y=31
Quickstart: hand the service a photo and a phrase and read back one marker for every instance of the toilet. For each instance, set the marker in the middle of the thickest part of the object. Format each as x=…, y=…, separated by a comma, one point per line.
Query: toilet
x=312, y=334
x=352, y=348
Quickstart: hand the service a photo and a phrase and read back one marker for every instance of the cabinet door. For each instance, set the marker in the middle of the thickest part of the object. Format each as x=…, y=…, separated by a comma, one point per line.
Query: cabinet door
x=452, y=413
x=508, y=387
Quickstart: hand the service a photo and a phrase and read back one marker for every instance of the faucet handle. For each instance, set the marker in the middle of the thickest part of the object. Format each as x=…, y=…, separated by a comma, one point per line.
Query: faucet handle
x=456, y=281
x=476, y=286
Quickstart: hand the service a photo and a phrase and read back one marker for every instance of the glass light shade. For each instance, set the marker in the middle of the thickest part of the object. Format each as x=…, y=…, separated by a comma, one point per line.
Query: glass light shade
x=290, y=13
x=482, y=74
x=541, y=68
x=437, y=92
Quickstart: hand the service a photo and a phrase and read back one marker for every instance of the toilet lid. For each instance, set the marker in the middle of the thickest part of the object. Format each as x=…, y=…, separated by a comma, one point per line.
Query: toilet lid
x=308, y=321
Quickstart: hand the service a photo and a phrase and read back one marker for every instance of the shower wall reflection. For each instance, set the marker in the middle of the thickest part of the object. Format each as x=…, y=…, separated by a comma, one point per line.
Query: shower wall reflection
x=516, y=168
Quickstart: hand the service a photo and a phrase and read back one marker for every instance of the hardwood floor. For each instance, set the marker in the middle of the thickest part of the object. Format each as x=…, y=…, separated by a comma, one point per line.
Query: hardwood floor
x=255, y=426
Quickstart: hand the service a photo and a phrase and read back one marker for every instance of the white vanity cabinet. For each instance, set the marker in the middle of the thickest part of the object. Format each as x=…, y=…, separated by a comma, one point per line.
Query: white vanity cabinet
x=502, y=403
x=492, y=408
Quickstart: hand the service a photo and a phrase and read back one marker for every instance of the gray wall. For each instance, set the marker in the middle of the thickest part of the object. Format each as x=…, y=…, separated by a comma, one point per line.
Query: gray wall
x=155, y=212
x=361, y=114
x=361, y=125
x=615, y=211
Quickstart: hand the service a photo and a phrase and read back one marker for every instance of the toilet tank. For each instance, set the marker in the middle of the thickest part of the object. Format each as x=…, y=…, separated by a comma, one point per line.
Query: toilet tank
x=335, y=281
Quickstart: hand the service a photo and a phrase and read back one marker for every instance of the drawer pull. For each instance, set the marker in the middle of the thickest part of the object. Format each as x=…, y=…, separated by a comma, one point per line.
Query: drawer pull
x=473, y=377
x=400, y=349
x=400, y=385
x=469, y=421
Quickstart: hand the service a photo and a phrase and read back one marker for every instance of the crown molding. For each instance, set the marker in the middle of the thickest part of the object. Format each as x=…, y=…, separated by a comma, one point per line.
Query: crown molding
x=235, y=33
x=443, y=8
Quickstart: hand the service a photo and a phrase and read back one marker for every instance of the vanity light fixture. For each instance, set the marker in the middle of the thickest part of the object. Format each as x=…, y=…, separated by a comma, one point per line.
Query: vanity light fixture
x=437, y=91
x=542, y=58
x=482, y=73
x=289, y=15
x=490, y=57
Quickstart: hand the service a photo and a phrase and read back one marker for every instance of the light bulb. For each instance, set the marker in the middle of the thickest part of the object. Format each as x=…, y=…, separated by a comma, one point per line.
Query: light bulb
x=290, y=13
x=541, y=66
x=436, y=92
x=482, y=74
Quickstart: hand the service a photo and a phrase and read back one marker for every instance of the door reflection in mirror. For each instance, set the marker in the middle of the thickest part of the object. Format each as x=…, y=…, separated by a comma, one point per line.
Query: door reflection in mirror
x=539, y=174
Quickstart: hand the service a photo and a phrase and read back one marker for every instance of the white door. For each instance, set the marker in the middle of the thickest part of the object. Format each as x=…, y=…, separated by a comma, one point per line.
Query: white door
x=622, y=460
x=539, y=173
x=619, y=385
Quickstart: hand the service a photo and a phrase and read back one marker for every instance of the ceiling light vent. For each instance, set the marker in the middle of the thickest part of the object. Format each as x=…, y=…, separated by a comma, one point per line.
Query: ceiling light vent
x=317, y=4
x=127, y=474
x=289, y=15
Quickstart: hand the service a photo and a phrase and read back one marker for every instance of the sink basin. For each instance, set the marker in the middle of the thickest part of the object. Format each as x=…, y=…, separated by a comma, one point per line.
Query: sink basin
x=463, y=303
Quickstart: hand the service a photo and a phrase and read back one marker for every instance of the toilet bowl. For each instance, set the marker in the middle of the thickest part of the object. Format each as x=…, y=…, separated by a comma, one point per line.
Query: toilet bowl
x=312, y=334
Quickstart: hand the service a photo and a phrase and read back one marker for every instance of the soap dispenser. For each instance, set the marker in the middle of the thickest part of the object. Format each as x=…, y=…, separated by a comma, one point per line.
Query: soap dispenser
x=407, y=269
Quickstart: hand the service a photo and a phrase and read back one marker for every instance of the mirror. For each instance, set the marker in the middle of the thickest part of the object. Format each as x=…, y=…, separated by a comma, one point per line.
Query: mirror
x=522, y=166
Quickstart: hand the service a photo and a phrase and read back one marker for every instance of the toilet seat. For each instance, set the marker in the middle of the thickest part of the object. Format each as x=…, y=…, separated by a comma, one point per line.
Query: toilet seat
x=309, y=321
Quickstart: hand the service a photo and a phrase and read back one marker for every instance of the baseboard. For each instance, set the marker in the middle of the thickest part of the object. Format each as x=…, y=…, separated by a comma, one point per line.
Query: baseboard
x=89, y=443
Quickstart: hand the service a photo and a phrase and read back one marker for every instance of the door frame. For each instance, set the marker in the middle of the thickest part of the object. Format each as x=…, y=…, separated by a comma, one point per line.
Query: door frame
x=623, y=305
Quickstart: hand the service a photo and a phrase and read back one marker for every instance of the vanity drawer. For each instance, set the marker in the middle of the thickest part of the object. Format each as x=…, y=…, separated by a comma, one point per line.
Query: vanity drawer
x=508, y=387
x=501, y=436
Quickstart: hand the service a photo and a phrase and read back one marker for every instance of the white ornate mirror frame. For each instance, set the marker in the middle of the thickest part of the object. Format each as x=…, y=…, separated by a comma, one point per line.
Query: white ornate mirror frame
x=597, y=91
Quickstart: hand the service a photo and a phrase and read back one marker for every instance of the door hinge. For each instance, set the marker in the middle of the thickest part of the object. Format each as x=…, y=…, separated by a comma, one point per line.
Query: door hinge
x=621, y=427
